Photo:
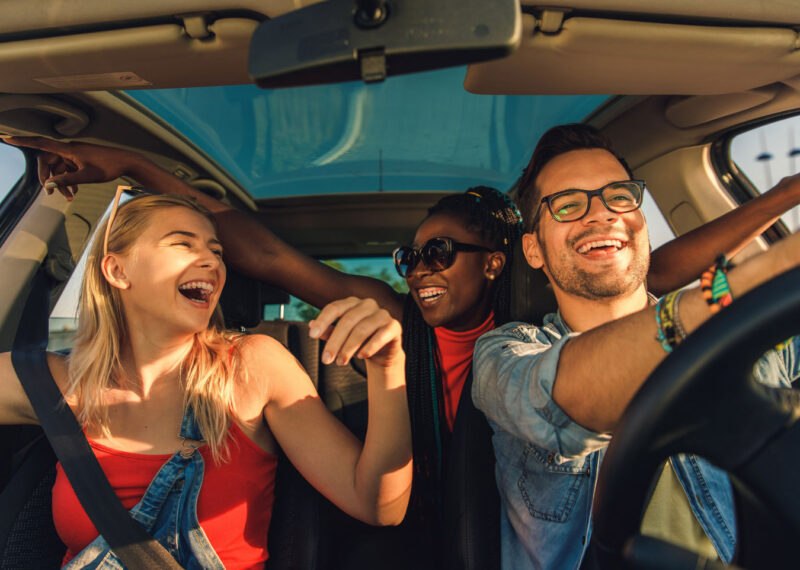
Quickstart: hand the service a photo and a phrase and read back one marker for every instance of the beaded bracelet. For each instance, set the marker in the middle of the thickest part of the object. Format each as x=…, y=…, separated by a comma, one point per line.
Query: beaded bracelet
x=661, y=335
x=679, y=330
x=714, y=285
x=670, y=319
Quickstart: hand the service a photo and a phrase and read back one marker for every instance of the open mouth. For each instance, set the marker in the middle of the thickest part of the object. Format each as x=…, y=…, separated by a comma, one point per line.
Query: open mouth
x=601, y=247
x=431, y=295
x=197, y=291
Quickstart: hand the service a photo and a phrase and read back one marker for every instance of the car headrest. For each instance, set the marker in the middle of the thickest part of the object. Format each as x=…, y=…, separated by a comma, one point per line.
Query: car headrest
x=531, y=293
x=243, y=299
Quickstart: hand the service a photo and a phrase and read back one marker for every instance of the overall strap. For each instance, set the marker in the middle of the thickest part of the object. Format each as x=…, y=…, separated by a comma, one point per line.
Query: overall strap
x=127, y=538
x=189, y=427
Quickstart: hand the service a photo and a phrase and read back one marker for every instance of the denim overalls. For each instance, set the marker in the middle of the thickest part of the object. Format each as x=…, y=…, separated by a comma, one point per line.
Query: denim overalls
x=168, y=511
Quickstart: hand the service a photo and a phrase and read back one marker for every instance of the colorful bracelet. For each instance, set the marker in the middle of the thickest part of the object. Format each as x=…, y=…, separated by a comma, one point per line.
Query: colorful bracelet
x=661, y=335
x=679, y=330
x=670, y=319
x=714, y=285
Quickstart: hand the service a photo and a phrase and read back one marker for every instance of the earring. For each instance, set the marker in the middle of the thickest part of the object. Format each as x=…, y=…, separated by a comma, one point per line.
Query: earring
x=491, y=276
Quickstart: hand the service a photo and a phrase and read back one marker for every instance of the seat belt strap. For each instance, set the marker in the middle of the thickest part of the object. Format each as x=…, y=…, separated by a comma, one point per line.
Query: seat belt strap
x=126, y=537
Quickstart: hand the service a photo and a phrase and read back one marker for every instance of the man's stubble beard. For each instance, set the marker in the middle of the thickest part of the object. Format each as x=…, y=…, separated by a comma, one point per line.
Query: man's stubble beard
x=597, y=286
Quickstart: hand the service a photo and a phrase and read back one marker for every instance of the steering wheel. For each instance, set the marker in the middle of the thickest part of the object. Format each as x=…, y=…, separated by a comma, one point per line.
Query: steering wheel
x=703, y=399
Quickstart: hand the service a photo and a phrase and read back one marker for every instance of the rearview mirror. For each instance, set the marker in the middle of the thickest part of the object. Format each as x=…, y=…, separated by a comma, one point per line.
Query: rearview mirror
x=347, y=40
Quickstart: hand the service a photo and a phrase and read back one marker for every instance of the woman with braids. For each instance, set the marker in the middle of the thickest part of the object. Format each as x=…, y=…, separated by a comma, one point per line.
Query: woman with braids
x=457, y=269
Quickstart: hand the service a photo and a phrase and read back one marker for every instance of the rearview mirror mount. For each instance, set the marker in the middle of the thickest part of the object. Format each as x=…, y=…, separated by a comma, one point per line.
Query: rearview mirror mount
x=347, y=40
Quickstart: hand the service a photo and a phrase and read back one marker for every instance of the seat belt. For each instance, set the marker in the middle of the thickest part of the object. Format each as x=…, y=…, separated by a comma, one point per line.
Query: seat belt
x=126, y=537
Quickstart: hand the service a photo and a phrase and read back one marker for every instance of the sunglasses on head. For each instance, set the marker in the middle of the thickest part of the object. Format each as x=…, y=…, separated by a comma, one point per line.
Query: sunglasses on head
x=134, y=191
x=437, y=254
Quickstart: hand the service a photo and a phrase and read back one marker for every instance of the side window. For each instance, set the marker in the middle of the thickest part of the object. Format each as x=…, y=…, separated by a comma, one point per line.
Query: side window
x=12, y=167
x=768, y=153
x=378, y=267
x=657, y=226
x=64, y=317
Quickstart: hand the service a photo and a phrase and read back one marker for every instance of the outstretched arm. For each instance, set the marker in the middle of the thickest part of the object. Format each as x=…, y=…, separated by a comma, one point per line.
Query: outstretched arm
x=250, y=247
x=372, y=481
x=15, y=407
x=599, y=403
x=596, y=373
x=680, y=261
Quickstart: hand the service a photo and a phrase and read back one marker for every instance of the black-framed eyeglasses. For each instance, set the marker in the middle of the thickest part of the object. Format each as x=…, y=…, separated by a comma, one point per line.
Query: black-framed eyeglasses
x=437, y=254
x=571, y=205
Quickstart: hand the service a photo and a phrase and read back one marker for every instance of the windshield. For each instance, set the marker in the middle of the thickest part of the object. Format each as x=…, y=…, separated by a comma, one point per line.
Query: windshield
x=411, y=132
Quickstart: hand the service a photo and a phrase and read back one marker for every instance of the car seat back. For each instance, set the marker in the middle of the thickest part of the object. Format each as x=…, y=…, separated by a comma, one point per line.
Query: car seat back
x=28, y=538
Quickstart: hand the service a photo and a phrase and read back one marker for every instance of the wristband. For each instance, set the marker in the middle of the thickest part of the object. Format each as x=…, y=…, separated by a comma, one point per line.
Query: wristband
x=714, y=285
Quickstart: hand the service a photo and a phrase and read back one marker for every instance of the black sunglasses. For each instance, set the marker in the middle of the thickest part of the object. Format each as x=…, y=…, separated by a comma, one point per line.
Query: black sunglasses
x=437, y=254
x=571, y=205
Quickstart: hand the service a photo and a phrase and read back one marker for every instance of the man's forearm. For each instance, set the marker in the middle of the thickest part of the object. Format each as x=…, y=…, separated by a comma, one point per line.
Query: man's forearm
x=601, y=370
x=156, y=178
x=679, y=262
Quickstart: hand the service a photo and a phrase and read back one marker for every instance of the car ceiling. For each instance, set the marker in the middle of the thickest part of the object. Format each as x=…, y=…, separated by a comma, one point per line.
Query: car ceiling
x=55, y=46
x=688, y=69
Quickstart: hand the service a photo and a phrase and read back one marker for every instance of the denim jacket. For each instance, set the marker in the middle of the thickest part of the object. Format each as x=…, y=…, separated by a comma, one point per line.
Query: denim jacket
x=547, y=464
x=168, y=511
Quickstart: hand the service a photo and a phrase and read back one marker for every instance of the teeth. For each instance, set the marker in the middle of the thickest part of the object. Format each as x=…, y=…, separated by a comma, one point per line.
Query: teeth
x=431, y=292
x=197, y=285
x=600, y=243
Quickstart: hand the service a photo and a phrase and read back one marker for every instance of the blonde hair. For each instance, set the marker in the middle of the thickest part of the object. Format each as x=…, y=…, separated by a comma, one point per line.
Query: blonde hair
x=208, y=371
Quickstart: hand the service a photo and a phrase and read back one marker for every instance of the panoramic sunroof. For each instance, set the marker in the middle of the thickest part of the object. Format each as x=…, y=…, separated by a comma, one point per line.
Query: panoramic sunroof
x=411, y=132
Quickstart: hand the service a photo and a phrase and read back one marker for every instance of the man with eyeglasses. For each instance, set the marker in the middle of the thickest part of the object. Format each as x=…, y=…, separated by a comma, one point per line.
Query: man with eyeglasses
x=553, y=393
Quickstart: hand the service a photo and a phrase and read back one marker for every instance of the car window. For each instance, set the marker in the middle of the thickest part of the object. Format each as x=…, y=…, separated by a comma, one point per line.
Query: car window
x=378, y=267
x=768, y=153
x=657, y=226
x=12, y=168
x=411, y=132
x=64, y=317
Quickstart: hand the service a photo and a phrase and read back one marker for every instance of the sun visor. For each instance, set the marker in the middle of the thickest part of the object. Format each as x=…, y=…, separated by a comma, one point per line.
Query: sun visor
x=156, y=56
x=587, y=55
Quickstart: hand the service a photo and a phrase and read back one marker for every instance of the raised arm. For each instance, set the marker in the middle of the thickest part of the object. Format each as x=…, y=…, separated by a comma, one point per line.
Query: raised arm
x=250, y=247
x=679, y=262
x=372, y=481
x=594, y=383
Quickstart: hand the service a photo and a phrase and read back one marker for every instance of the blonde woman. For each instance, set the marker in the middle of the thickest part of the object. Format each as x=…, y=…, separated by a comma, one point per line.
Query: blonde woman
x=166, y=395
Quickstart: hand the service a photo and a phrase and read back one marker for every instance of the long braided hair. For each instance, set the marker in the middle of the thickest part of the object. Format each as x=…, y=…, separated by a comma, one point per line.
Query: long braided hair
x=492, y=215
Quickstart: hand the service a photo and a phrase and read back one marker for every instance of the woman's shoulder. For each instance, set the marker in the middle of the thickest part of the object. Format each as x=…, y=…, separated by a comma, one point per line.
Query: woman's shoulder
x=263, y=356
x=59, y=369
x=267, y=366
x=259, y=346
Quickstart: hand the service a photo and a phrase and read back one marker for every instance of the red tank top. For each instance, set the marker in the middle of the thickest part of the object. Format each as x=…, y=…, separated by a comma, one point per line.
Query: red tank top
x=454, y=350
x=234, y=506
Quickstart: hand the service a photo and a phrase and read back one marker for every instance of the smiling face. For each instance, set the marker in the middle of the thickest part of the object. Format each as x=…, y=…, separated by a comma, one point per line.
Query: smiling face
x=604, y=254
x=458, y=297
x=173, y=274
